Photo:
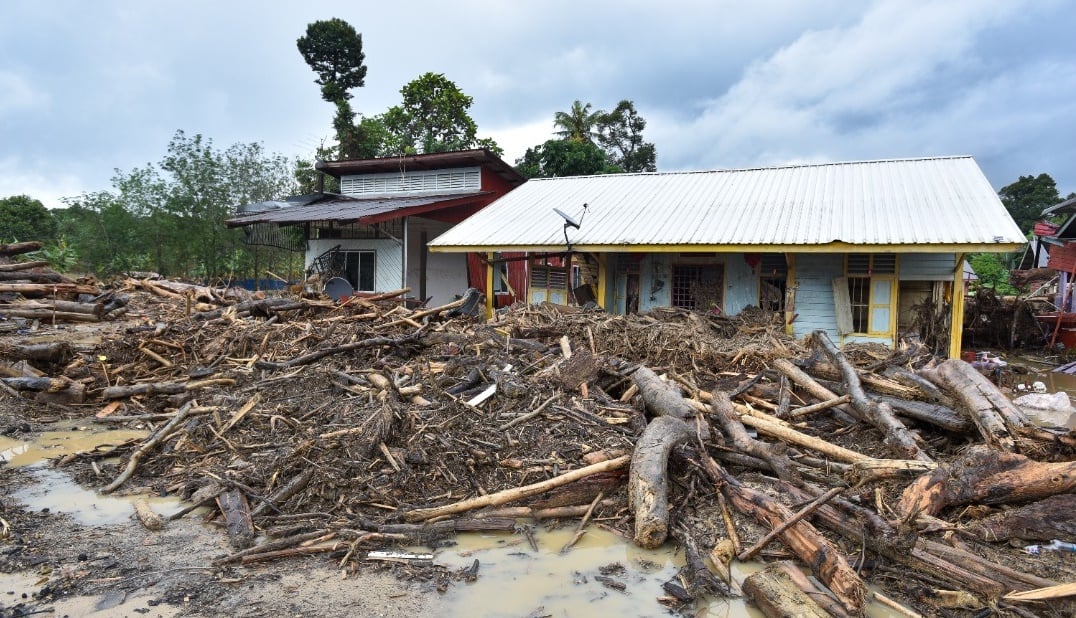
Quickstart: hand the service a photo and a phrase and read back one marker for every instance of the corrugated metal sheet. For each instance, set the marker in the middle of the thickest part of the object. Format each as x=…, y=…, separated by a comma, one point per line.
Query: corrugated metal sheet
x=338, y=208
x=896, y=202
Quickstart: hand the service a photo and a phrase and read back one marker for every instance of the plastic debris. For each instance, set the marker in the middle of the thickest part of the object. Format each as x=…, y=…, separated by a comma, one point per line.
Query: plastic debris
x=1055, y=545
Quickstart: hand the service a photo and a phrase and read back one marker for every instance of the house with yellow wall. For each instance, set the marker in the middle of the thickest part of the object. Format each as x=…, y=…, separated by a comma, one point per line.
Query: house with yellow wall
x=856, y=249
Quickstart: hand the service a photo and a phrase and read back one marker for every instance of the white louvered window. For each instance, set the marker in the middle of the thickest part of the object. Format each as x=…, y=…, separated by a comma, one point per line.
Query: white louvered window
x=455, y=180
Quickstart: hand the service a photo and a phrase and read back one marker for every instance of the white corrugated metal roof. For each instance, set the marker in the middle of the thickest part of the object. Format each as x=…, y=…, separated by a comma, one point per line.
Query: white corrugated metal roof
x=929, y=201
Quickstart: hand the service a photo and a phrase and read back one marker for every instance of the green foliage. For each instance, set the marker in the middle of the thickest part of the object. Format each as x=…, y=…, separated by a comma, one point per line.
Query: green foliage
x=23, y=218
x=333, y=49
x=169, y=217
x=559, y=157
x=620, y=133
x=577, y=124
x=60, y=255
x=1026, y=198
x=433, y=117
x=592, y=142
x=993, y=271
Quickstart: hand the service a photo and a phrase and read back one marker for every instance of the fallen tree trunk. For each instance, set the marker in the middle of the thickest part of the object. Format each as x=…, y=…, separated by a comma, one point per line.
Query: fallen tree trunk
x=864, y=526
x=37, y=290
x=986, y=476
x=17, y=248
x=774, y=592
x=809, y=384
x=1045, y=520
x=997, y=418
x=897, y=437
x=648, y=483
x=802, y=538
x=660, y=398
x=733, y=428
x=17, y=266
x=43, y=313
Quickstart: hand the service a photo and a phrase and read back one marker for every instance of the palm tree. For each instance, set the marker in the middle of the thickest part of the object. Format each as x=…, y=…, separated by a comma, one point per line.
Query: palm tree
x=578, y=124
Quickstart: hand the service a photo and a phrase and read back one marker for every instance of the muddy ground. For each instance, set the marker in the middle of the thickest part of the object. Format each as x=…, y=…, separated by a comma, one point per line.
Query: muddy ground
x=51, y=565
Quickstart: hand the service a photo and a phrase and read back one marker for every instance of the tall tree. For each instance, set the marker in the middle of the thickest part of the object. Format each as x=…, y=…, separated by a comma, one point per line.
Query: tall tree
x=22, y=218
x=577, y=124
x=562, y=157
x=433, y=117
x=333, y=49
x=1026, y=198
x=620, y=134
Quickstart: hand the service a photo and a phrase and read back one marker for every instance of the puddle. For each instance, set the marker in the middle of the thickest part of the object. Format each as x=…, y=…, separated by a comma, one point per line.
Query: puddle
x=65, y=438
x=53, y=488
x=16, y=588
x=514, y=581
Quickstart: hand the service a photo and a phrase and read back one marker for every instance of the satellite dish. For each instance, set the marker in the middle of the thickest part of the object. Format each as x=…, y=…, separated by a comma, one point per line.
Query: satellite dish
x=338, y=288
x=568, y=219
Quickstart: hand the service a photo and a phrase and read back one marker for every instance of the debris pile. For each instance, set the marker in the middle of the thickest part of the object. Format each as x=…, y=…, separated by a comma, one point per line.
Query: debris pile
x=311, y=426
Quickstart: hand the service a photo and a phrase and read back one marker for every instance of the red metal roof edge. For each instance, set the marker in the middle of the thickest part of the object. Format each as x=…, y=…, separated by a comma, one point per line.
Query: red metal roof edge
x=430, y=161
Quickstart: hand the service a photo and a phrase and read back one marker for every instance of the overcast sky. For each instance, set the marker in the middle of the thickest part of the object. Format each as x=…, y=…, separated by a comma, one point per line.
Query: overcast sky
x=89, y=87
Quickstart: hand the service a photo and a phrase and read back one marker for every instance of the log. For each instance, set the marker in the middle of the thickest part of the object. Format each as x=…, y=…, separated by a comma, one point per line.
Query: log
x=44, y=314
x=55, y=352
x=306, y=359
x=795, y=437
x=17, y=266
x=774, y=592
x=265, y=306
x=162, y=388
x=823, y=598
x=17, y=248
x=864, y=526
x=149, y=519
x=660, y=398
x=648, y=483
x=863, y=472
x=516, y=493
x=150, y=443
x=37, y=290
x=803, y=539
x=286, y=491
x=1045, y=520
x=986, y=476
x=897, y=437
x=733, y=428
x=813, y=388
x=34, y=277
x=233, y=504
x=936, y=414
x=818, y=407
x=875, y=383
x=997, y=418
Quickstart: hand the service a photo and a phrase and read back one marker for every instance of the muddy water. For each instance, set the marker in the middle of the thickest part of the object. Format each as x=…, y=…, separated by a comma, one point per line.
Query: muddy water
x=515, y=581
x=54, y=490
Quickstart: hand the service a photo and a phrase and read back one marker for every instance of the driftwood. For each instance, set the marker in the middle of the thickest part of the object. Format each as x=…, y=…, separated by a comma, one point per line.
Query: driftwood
x=648, y=484
x=233, y=504
x=897, y=437
x=1051, y=518
x=55, y=352
x=149, y=519
x=986, y=476
x=821, y=597
x=516, y=493
x=778, y=596
x=659, y=397
x=17, y=266
x=166, y=388
x=802, y=538
x=306, y=359
x=286, y=491
x=860, y=525
x=39, y=290
x=997, y=418
x=733, y=428
x=265, y=306
x=152, y=442
x=17, y=248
